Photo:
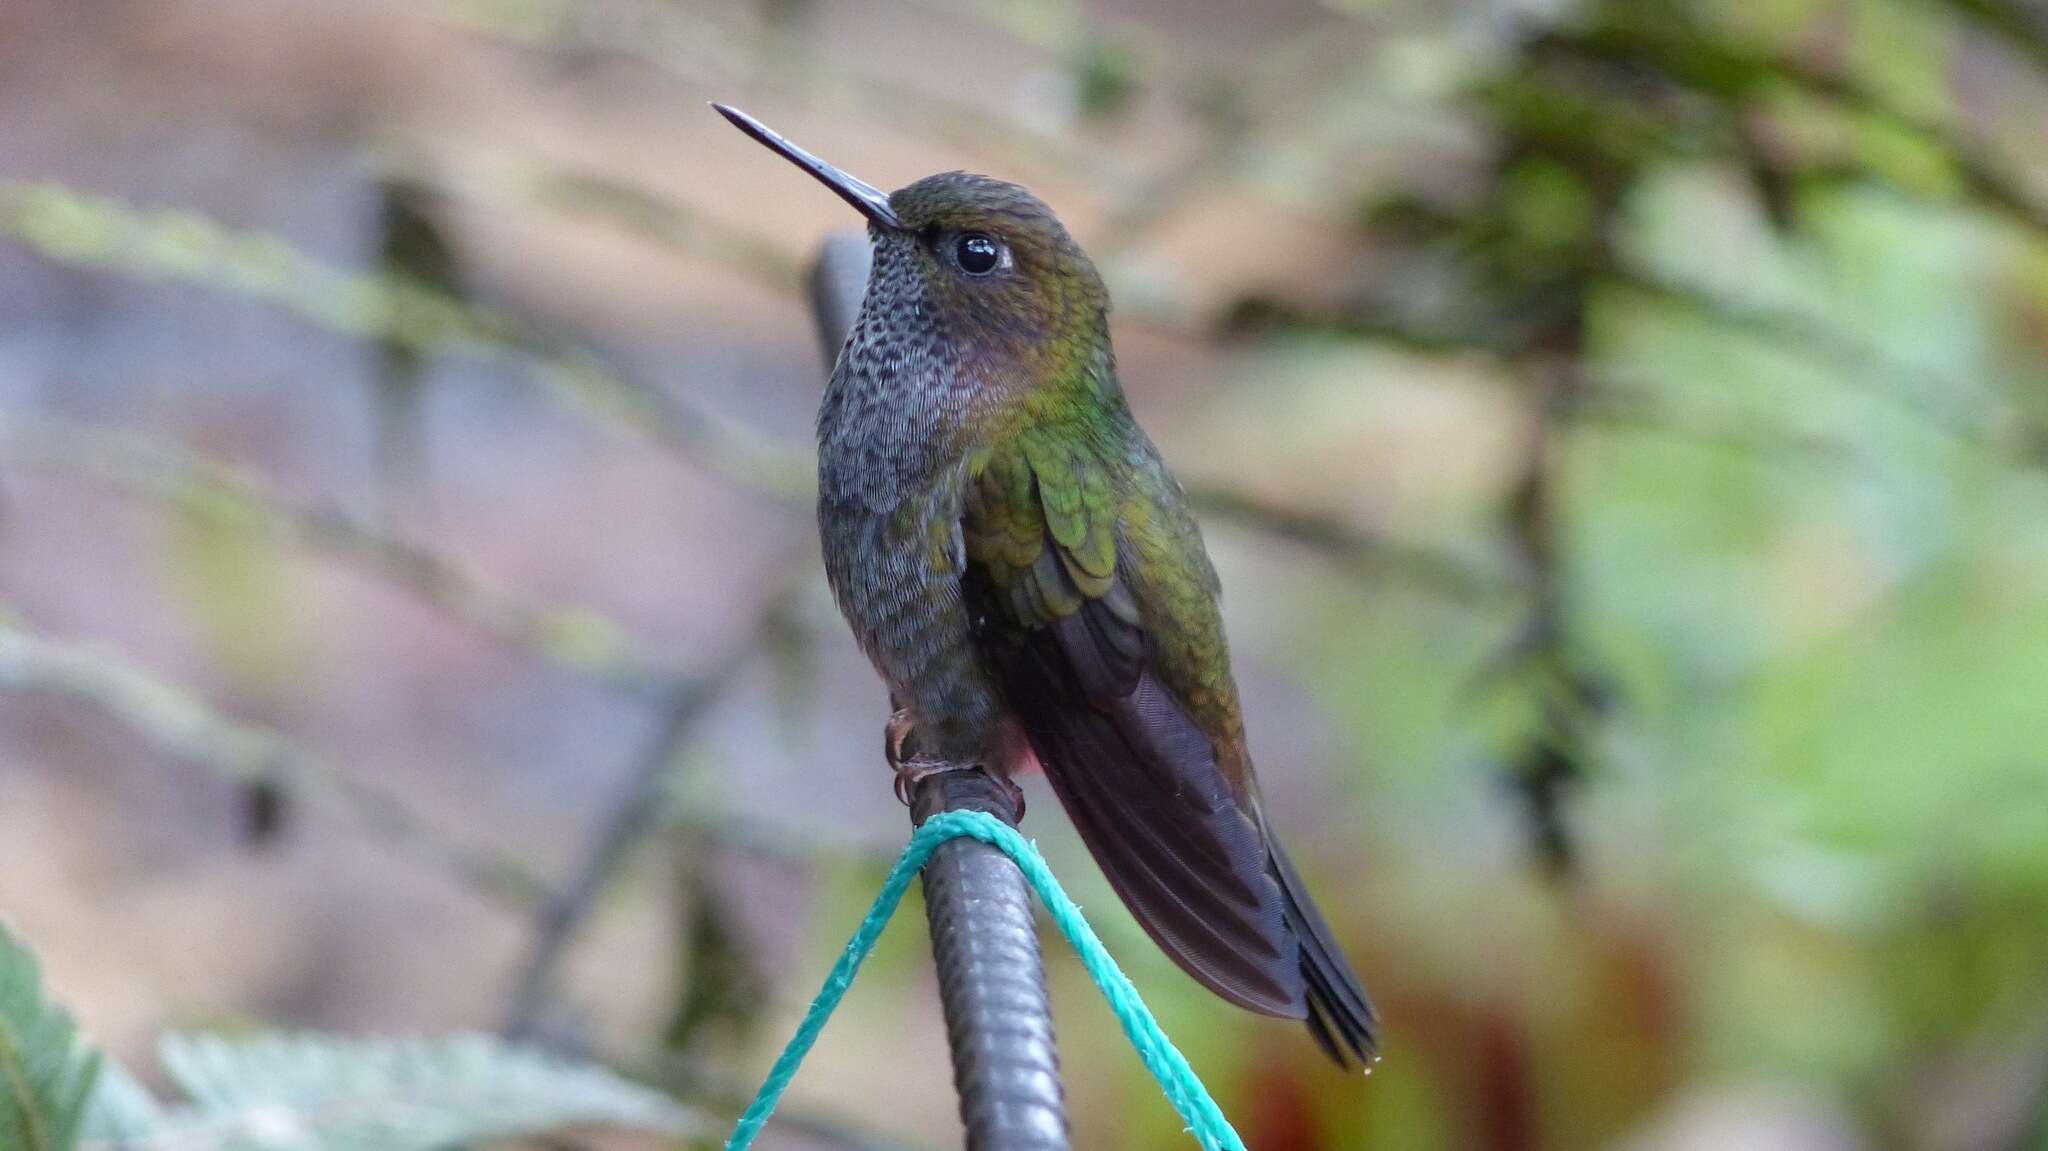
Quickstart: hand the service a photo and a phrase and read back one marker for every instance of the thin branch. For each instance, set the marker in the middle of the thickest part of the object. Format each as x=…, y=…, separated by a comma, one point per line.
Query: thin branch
x=2024, y=32
x=652, y=216
x=183, y=725
x=710, y=52
x=1984, y=174
x=1810, y=336
x=1055, y=27
x=1613, y=403
x=1806, y=336
x=1366, y=553
x=636, y=813
x=574, y=637
x=777, y=841
x=1706, y=62
x=93, y=231
x=1280, y=86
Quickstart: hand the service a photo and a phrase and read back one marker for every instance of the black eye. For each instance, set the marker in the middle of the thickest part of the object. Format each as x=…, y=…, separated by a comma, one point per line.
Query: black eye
x=977, y=253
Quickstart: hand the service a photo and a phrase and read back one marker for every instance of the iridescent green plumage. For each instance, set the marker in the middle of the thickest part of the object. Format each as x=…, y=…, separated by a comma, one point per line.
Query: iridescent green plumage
x=1024, y=573
x=1046, y=513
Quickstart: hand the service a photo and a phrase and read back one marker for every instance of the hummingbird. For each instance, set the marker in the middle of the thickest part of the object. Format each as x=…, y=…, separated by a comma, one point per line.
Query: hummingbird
x=1023, y=571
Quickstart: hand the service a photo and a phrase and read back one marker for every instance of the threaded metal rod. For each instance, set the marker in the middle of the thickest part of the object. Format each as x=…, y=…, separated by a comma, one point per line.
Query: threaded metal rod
x=1006, y=1066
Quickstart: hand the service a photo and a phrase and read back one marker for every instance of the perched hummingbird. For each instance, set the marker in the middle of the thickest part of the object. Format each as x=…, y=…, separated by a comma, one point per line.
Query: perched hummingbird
x=1023, y=571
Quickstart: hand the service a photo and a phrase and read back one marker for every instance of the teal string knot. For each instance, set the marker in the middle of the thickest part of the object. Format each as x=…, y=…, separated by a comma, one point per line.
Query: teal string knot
x=1168, y=1066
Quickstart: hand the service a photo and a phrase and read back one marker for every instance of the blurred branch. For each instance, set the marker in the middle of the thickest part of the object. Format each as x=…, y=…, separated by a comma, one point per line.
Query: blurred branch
x=1622, y=405
x=1368, y=554
x=651, y=216
x=2019, y=27
x=1806, y=337
x=1551, y=761
x=183, y=725
x=711, y=53
x=636, y=812
x=638, y=809
x=1913, y=389
x=81, y=229
x=1985, y=175
x=576, y=638
x=1705, y=61
x=1054, y=26
x=84, y=230
x=778, y=842
x=1811, y=337
x=1278, y=88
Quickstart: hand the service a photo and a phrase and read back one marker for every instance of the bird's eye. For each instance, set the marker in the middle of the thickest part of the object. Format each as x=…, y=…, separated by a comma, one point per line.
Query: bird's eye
x=978, y=253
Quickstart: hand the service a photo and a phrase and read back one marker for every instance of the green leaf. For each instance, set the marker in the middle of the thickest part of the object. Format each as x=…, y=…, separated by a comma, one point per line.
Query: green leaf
x=46, y=1071
x=313, y=1093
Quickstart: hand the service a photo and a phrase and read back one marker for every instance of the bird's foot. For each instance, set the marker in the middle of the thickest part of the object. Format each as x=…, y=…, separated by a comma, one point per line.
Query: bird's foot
x=910, y=773
x=916, y=771
x=912, y=766
x=896, y=735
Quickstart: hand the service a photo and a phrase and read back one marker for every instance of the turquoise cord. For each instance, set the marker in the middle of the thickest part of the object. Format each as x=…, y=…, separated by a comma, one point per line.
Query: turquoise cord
x=1183, y=1088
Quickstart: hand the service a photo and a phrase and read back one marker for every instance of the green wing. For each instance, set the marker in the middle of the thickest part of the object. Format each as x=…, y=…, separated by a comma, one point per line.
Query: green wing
x=1089, y=602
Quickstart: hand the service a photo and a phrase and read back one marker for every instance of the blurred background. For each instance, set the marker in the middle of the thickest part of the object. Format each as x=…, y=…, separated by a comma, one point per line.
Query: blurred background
x=1621, y=426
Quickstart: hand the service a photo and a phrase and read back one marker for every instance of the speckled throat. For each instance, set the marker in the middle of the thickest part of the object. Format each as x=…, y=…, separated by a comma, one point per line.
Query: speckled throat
x=893, y=444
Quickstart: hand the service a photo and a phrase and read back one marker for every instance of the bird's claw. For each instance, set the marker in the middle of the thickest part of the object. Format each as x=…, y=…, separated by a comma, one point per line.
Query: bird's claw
x=896, y=738
x=916, y=771
x=909, y=775
x=913, y=767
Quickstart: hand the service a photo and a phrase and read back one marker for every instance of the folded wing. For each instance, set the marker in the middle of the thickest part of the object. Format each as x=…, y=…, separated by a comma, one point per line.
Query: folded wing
x=1062, y=621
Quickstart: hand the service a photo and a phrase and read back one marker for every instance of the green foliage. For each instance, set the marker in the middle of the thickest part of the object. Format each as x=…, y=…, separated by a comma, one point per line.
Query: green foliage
x=296, y=1092
x=316, y=1093
x=46, y=1071
x=1105, y=76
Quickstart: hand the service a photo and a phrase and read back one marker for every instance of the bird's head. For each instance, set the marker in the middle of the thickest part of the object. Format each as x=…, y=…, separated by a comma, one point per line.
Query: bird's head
x=977, y=262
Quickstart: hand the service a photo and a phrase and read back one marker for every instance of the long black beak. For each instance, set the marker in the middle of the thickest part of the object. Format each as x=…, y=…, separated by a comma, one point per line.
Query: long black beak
x=867, y=199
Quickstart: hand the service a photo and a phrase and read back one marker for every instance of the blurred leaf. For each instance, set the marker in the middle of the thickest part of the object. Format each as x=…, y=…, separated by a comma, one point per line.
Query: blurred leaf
x=1549, y=206
x=46, y=1070
x=1105, y=75
x=122, y=1110
x=314, y=1093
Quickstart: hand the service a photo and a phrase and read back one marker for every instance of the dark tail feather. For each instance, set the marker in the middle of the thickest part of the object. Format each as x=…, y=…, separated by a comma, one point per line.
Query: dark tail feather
x=1340, y=1016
